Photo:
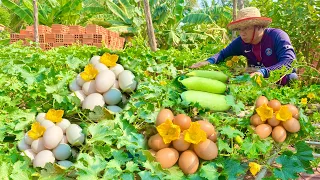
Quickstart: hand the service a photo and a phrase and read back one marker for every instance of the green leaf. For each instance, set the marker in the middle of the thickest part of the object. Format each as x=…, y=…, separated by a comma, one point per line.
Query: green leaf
x=209, y=171
x=232, y=169
x=224, y=146
x=4, y=171
x=196, y=18
x=100, y=113
x=118, y=12
x=290, y=167
x=89, y=167
x=252, y=149
x=127, y=176
x=101, y=132
x=74, y=62
x=132, y=167
x=21, y=170
x=147, y=175
x=22, y=13
x=304, y=153
x=174, y=173
x=230, y=132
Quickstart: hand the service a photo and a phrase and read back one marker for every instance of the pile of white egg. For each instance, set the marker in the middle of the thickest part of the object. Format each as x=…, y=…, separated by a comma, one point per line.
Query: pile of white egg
x=56, y=144
x=107, y=88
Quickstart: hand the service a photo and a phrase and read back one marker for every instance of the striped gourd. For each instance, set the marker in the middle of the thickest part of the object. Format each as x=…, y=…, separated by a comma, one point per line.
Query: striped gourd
x=204, y=84
x=217, y=75
x=215, y=102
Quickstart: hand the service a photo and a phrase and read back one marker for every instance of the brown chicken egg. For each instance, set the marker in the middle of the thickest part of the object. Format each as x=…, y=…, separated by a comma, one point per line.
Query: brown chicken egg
x=279, y=134
x=167, y=157
x=156, y=142
x=260, y=101
x=188, y=162
x=206, y=150
x=256, y=120
x=275, y=105
x=183, y=121
x=273, y=121
x=207, y=127
x=213, y=137
x=163, y=115
x=294, y=110
x=292, y=125
x=180, y=144
x=263, y=130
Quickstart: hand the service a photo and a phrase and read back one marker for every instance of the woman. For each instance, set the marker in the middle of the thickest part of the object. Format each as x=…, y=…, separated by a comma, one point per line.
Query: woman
x=267, y=49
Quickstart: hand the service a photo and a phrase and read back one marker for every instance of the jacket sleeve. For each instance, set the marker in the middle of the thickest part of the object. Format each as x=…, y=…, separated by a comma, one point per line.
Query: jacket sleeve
x=284, y=51
x=233, y=49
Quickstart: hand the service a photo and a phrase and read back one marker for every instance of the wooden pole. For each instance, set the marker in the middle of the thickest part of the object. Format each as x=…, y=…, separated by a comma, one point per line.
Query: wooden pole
x=151, y=36
x=36, y=22
x=234, y=35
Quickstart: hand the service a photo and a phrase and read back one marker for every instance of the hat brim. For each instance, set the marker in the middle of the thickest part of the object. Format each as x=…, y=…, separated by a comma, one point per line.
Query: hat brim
x=261, y=21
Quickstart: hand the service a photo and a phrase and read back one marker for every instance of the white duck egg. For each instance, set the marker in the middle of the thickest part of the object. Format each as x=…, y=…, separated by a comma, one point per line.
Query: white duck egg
x=126, y=81
x=62, y=152
x=105, y=80
x=22, y=145
x=94, y=60
x=79, y=94
x=38, y=145
x=47, y=123
x=64, y=140
x=92, y=101
x=74, y=134
x=52, y=137
x=73, y=86
x=64, y=124
x=65, y=163
x=112, y=97
x=29, y=153
x=116, y=84
x=101, y=67
x=89, y=87
x=40, y=117
x=42, y=158
x=79, y=80
x=114, y=109
x=28, y=140
x=117, y=69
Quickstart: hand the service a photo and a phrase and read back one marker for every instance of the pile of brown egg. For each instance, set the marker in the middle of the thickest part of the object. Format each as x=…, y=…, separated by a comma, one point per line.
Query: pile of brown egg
x=186, y=154
x=273, y=126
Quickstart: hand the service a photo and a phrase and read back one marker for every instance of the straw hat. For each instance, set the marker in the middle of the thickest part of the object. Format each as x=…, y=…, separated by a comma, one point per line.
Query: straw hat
x=249, y=16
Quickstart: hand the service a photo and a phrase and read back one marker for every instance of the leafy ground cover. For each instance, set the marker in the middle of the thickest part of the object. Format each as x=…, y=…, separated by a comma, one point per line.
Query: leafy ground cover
x=34, y=81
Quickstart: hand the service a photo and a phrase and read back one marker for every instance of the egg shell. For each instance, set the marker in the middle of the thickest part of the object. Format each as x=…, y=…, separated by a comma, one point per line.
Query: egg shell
x=112, y=96
x=117, y=69
x=116, y=85
x=105, y=80
x=180, y=144
x=279, y=134
x=101, y=67
x=65, y=163
x=73, y=86
x=22, y=145
x=130, y=88
x=163, y=115
x=114, y=109
x=263, y=130
x=79, y=80
x=206, y=150
x=64, y=140
x=156, y=142
x=29, y=153
x=292, y=125
x=40, y=117
x=126, y=81
x=64, y=124
x=188, y=162
x=260, y=101
x=273, y=121
x=62, y=152
x=94, y=60
x=213, y=137
x=183, y=121
x=274, y=104
x=89, y=87
x=256, y=120
x=207, y=127
x=28, y=140
x=79, y=94
x=294, y=110
x=92, y=101
x=167, y=157
x=47, y=123
x=52, y=137
x=74, y=134
x=38, y=145
x=42, y=158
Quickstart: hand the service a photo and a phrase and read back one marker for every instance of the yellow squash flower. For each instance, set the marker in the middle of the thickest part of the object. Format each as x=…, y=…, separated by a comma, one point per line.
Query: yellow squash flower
x=304, y=101
x=89, y=73
x=258, y=81
x=235, y=59
x=109, y=60
x=229, y=63
x=168, y=131
x=284, y=114
x=195, y=134
x=36, y=131
x=311, y=96
x=54, y=115
x=254, y=168
x=265, y=112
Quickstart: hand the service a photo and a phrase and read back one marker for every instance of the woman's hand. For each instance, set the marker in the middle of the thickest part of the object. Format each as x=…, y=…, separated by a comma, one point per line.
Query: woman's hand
x=199, y=64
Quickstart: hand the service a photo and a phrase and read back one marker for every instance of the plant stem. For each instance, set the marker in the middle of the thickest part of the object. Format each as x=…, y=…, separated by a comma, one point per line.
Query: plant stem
x=263, y=172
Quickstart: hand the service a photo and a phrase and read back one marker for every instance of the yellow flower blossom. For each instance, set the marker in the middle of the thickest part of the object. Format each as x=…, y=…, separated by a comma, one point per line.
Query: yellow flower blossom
x=311, y=96
x=235, y=59
x=258, y=81
x=284, y=114
x=109, y=60
x=146, y=73
x=36, y=131
x=195, y=134
x=162, y=83
x=89, y=73
x=304, y=101
x=168, y=131
x=265, y=112
x=229, y=63
x=254, y=168
x=54, y=115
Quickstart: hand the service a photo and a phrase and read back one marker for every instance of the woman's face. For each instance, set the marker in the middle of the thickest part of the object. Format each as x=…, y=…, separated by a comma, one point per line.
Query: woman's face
x=246, y=33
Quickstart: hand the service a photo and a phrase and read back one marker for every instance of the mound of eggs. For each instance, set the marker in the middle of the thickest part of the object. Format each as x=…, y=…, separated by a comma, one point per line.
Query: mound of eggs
x=55, y=145
x=107, y=89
